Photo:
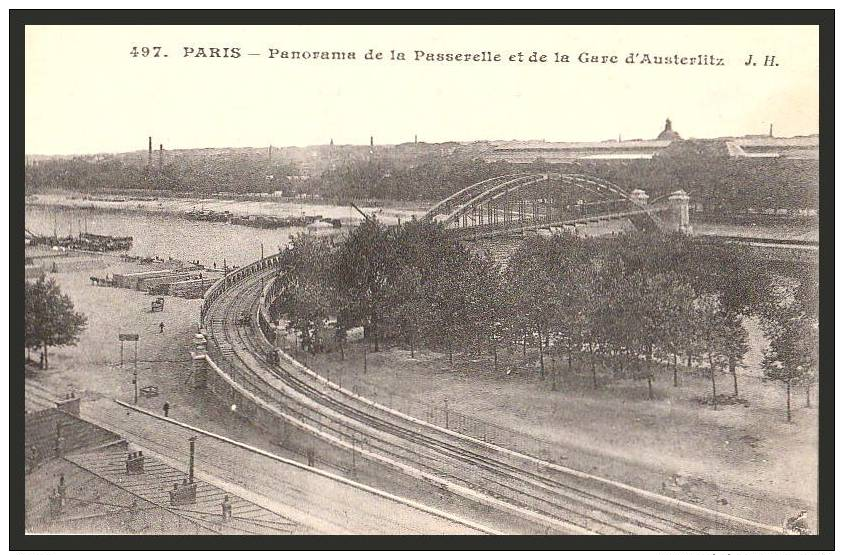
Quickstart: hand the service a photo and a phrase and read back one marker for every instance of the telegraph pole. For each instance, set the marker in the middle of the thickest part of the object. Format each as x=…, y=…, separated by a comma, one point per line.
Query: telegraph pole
x=135, y=380
x=192, y=441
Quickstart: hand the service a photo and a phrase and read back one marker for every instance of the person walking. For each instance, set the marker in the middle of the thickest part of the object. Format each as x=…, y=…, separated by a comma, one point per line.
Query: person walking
x=33, y=457
x=161, y=327
x=166, y=408
x=62, y=488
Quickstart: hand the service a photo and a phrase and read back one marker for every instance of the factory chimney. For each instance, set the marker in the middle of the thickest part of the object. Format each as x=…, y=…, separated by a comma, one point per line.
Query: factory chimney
x=160, y=158
x=771, y=130
x=270, y=153
x=149, y=161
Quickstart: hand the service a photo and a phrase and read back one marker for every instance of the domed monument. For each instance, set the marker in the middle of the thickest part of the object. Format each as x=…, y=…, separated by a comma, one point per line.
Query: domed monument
x=669, y=134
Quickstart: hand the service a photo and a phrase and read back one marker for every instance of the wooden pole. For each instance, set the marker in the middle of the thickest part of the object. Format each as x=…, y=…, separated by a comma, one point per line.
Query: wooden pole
x=136, y=373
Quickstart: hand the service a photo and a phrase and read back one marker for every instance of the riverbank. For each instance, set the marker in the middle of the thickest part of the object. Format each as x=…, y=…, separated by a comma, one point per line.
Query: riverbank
x=240, y=205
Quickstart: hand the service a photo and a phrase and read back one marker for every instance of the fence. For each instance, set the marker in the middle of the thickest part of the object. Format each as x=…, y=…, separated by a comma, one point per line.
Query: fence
x=755, y=393
x=442, y=415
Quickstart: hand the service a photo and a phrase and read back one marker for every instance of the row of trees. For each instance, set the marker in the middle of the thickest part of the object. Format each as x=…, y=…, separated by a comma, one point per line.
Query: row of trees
x=627, y=303
x=432, y=172
x=716, y=180
x=49, y=318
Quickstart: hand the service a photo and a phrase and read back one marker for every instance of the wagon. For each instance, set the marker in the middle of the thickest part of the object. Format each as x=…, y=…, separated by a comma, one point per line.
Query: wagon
x=158, y=305
x=149, y=391
x=244, y=319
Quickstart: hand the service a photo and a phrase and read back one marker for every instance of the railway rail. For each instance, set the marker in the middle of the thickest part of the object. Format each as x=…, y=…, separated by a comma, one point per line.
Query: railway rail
x=540, y=494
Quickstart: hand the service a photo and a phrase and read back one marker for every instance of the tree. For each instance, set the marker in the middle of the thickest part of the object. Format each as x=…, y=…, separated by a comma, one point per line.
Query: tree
x=50, y=319
x=667, y=299
x=409, y=313
x=790, y=323
x=448, y=294
x=719, y=336
x=734, y=337
x=309, y=314
x=365, y=264
x=487, y=305
x=307, y=292
x=792, y=355
x=591, y=296
x=537, y=299
x=569, y=264
x=642, y=314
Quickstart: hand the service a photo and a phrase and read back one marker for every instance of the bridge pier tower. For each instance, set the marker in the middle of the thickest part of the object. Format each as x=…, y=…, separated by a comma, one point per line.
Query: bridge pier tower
x=677, y=219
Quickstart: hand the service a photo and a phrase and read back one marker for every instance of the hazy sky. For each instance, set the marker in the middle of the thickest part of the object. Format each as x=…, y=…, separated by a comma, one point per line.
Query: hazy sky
x=85, y=93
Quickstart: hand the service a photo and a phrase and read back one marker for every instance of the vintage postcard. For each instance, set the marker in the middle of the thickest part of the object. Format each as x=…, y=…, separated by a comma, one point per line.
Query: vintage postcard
x=421, y=280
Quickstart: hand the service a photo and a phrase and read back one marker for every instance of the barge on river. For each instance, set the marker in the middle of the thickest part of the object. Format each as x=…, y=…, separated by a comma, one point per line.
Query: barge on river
x=83, y=242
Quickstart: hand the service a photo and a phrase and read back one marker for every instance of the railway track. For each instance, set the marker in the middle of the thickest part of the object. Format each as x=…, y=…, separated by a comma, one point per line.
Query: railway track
x=543, y=494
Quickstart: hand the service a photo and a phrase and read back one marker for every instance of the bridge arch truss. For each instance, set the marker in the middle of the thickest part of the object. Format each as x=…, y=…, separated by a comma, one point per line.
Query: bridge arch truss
x=523, y=201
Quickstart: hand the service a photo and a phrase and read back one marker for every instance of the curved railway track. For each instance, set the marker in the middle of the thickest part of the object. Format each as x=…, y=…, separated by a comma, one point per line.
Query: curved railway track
x=543, y=494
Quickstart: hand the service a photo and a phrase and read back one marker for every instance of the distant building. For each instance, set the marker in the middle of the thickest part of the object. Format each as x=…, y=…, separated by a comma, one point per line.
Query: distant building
x=802, y=148
x=668, y=134
x=765, y=146
x=528, y=151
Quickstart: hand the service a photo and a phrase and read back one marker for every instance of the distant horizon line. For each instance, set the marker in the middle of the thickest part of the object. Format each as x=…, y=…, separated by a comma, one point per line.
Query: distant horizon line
x=463, y=142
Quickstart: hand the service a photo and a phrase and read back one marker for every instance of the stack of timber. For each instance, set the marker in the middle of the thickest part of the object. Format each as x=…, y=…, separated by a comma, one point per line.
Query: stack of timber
x=132, y=280
x=192, y=288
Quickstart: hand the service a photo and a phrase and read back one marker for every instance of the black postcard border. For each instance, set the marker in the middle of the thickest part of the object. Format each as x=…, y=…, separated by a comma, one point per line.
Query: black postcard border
x=18, y=19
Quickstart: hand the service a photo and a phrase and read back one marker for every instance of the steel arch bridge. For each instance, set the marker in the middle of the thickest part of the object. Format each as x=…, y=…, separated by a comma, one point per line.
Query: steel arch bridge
x=520, y=202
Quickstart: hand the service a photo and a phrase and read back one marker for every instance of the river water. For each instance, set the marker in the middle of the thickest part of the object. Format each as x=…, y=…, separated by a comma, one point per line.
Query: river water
x=167, y=234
